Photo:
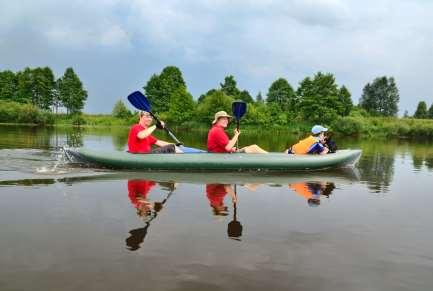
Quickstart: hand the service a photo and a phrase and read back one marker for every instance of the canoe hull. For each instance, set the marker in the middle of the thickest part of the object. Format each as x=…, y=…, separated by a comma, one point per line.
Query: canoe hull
x=213, y=162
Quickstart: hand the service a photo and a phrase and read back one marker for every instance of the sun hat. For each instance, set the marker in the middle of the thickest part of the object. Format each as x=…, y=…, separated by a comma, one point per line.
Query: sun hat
x=220, y=114
x=318, y=129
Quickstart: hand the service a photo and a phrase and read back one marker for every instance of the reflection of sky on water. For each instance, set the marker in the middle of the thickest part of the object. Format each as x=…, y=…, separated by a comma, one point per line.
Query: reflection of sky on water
x=85, y=230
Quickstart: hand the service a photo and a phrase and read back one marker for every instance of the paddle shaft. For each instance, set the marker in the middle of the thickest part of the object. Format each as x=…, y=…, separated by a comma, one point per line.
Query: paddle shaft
x=166, y=129
x=237, y=141
x=239, y=108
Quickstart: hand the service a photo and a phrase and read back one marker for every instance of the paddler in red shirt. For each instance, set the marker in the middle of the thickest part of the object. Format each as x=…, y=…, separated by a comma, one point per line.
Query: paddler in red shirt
x=219, y=142
x=140, y=138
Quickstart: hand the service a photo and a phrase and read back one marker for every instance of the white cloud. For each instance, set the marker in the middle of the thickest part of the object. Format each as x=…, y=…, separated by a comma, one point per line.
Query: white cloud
x=257, y=41
x=80, y=24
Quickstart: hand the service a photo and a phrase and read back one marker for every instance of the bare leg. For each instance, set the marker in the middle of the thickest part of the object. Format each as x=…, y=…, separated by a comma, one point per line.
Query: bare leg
x=254, y=149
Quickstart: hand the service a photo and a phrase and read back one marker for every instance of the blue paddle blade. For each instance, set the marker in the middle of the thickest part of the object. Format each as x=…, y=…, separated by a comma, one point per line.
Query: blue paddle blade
x=239, y=108
x=139, y=101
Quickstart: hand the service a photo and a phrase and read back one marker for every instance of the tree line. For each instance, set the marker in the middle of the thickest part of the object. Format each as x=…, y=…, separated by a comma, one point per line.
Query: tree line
x=39, y=87
x=422, y=112
x=316, y=99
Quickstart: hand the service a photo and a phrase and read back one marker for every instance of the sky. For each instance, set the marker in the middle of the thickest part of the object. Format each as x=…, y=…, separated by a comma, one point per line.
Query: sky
x=116, y=45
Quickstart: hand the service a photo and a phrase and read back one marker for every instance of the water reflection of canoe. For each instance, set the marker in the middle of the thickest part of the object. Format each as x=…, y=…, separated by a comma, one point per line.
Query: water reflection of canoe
x=213, y=162
x=338, y=176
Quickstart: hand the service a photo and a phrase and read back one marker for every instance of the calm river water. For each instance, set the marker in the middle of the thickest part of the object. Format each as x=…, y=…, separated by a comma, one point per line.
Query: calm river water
x=69, y=228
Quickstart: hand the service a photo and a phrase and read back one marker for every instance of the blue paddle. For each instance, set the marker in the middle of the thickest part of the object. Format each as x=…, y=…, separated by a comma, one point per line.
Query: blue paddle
x=239, y=108
x=139, y=101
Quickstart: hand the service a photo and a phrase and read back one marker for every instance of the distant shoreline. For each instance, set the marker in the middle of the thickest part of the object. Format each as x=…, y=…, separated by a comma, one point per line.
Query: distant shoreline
x=362, y=127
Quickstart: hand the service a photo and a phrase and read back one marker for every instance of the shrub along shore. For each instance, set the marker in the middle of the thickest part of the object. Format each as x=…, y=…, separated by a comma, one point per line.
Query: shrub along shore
x=357, y=124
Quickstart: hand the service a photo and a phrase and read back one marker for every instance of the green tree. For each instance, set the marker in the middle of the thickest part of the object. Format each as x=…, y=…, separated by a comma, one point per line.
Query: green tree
x=213, y=103
x=203, y=96
x=8, y=85
x=229, y=87
x=430, y=112
x=259, y=97
x=320, y=100
x=25, y=86
x=257, y=114
x=245, y=96
x=381, y=97
x=43, y=85
x=160, y=88
x=421, y=110
x=57, y=102
x=345, y=99
x=71, y=92
x=120, y=110
x=181, y=108
x=281, y=93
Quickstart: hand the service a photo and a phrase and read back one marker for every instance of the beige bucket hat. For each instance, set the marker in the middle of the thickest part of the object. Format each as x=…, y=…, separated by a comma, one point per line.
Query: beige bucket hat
x=220, y=114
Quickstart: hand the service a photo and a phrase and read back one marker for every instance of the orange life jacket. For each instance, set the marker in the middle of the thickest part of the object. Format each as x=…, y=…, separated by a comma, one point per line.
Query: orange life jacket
x=302, y=147
x=302, y=190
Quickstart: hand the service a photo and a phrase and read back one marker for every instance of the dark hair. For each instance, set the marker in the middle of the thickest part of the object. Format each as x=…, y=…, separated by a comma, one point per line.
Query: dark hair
x=328, y=189
x=331, y=145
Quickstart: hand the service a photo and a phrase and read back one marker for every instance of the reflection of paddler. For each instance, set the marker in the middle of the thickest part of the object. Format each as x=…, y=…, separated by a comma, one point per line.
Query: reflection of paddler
x=216, y=193
x=137, y=192
x=311, y=191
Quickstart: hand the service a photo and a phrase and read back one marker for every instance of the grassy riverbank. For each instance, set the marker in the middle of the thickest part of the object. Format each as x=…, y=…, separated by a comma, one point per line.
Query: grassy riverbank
x=355, y=124
x=381, y=127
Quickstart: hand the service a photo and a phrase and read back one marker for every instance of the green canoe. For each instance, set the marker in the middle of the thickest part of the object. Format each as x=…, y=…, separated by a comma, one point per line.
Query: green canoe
x=212, y=162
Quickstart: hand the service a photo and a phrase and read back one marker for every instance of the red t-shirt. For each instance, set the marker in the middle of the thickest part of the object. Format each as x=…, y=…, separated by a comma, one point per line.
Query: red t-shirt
x=138, y=188
x=216, y=193
x=136, y=145
x=217, y=139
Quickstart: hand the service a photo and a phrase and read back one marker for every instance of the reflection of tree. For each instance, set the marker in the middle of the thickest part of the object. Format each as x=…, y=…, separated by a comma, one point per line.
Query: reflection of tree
x=422, y=153
x=417, y=161
x=377, y=169
x=74, y=137
x=25, y=136
x=120, y=138
x=429, y=163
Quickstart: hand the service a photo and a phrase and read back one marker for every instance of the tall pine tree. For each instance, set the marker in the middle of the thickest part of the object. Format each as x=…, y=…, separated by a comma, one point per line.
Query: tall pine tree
x=421, y=110
x=71, y=92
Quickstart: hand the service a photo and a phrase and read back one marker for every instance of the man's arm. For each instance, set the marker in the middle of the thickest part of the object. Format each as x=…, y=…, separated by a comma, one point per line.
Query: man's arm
x=146, y=132
x=232, y=142
x=232, y=193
